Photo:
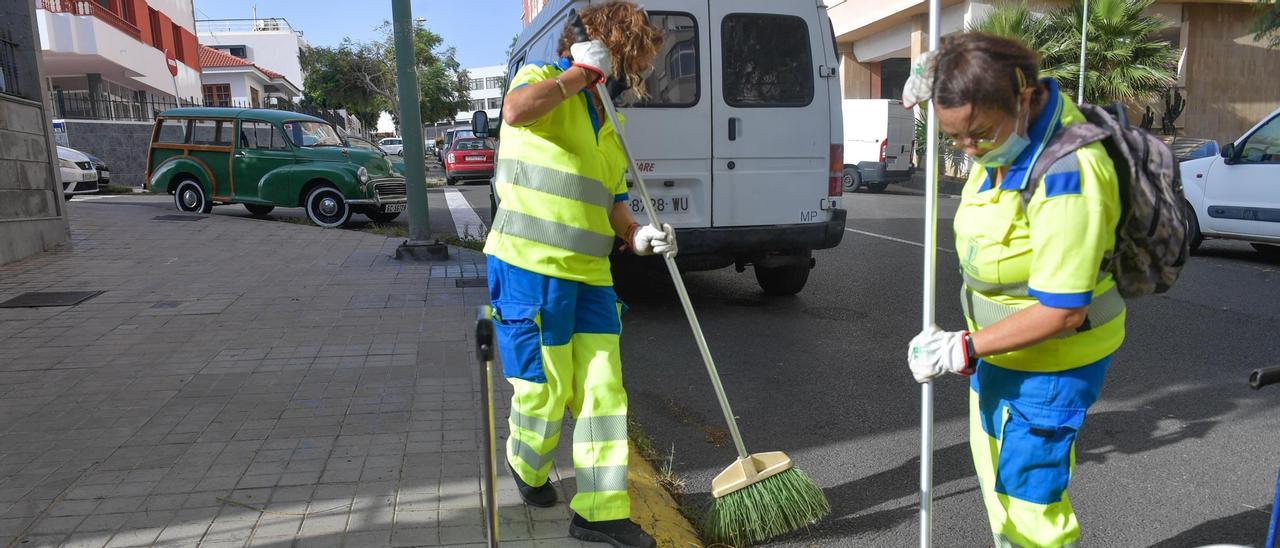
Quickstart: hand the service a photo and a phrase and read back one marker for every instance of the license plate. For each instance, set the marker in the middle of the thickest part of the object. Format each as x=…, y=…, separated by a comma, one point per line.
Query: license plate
x=88, y=176
x=475, y=158
x=106, y=175
x=667, y=205
x=394, y=208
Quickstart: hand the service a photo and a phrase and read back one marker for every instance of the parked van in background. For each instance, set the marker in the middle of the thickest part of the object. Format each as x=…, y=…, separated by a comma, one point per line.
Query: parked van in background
x=739, y=141
x=879, y=142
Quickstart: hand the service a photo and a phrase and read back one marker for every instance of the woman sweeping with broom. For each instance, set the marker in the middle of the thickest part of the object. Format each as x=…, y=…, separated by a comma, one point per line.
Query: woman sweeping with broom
x=1044, y=319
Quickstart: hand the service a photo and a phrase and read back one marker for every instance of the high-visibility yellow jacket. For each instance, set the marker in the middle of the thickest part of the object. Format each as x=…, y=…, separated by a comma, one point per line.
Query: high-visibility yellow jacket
x=557, y=180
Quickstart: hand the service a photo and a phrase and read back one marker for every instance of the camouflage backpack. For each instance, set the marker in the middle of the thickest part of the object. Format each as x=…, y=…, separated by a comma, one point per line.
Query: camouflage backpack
x=1151, y=238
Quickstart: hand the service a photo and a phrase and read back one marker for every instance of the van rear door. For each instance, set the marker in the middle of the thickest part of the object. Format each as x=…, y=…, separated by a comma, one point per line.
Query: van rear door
x=771, y=113
x=902, y=134
x=669, y=129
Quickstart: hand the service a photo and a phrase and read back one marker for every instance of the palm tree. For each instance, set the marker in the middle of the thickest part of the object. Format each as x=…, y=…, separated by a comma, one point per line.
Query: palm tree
x=1125, y=61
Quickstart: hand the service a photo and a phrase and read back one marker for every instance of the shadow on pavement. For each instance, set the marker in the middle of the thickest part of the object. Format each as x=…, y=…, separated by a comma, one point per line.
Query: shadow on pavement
x=1248, y=528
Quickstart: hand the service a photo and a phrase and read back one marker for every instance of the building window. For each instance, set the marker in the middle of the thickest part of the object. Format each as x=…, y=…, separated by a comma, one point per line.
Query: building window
x=157, y=39
x=126, y=12
x=8, y=67
x=217, y=95
x=495, y=103
x=477, y=104
x=493, y=83
x=177, y=43
x=254, y=98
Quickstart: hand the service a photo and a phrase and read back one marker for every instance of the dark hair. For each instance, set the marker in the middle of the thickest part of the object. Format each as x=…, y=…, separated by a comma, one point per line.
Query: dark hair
x=983, y=70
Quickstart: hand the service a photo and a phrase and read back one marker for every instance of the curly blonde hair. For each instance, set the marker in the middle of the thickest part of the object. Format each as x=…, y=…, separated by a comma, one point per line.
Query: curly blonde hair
x=625, y=29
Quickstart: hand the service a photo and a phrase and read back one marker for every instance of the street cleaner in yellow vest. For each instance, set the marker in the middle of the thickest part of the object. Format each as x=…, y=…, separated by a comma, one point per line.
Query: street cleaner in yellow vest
x=1044, y=320
x=562, y=202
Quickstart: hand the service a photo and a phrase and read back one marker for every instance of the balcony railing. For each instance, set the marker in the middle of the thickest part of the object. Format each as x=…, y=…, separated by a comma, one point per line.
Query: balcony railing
x=81, y=105
x=211, y=26
x=85, y=7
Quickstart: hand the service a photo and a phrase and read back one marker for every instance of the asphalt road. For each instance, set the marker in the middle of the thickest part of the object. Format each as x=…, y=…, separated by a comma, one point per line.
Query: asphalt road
x=1178, y=451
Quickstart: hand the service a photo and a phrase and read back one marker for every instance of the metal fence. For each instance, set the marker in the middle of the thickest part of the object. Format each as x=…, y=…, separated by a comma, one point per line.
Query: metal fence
x=79, y=105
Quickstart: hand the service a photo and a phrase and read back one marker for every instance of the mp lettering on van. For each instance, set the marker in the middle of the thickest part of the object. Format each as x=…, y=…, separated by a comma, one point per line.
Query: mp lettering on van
x=808, y=216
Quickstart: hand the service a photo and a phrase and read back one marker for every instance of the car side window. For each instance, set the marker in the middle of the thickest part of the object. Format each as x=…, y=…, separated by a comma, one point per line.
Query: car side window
x=261, y=135
x=1263, y=147
x=173, y=131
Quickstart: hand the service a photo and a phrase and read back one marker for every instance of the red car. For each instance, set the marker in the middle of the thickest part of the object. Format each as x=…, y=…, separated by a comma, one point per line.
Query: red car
x=469, y=159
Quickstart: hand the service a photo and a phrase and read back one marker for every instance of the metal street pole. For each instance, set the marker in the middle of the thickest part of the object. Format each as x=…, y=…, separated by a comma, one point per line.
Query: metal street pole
x=1084, y=32
x=410, y=121
x=930, y=290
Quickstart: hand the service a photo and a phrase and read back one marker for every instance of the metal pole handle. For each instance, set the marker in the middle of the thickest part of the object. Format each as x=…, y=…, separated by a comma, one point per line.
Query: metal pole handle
x=484, y=353
x=676, y=278
x=929, y=290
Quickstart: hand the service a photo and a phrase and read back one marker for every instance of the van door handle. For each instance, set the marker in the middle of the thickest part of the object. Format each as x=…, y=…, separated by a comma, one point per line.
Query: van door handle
x=733, y=129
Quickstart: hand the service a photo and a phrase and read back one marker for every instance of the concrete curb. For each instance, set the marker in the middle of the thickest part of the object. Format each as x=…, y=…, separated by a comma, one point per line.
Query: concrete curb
x=654, y=509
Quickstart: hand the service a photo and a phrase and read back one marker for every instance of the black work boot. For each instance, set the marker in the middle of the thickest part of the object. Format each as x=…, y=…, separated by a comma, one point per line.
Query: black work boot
x=542, y=496
x=621, y=533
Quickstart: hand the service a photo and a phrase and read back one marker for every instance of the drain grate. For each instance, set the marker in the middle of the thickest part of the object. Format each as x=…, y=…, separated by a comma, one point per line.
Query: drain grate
x=471, y=282
x=41, y=299
x=177, y=218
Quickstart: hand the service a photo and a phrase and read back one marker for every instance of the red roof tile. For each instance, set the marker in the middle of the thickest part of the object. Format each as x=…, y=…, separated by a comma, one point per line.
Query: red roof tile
x=210, y=57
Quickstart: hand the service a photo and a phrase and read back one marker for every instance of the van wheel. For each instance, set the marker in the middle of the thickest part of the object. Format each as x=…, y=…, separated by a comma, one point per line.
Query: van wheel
x=326, y=207
x=258, y=210
x=191, y=198
x=851, y=179
x=1193, y=228
x=877, y=187
x=781, y=281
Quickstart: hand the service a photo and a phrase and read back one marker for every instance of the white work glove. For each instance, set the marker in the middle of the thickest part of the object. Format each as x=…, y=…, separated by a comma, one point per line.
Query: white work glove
x=594, y=57
x=650, y=240
x=919, y=88
x=934, y=352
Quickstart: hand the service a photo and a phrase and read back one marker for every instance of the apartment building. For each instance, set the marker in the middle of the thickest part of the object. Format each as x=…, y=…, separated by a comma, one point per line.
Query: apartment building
x=1230, y=80
x=270, y=43
x=107, y=57
x=486, y=91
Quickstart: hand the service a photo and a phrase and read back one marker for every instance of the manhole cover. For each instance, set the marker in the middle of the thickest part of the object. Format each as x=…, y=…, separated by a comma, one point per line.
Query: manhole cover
x=471, y=282
x=176, y=218
x=42, y=299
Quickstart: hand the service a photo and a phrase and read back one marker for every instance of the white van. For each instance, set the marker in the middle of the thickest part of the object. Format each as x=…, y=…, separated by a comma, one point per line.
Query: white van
x=879, y=141
x=739, y=142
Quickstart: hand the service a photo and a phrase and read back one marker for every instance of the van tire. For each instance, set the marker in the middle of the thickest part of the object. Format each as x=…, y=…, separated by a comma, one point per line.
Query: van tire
x=189, y=196
x=258, y=210
x=781, y=281
x=1193, y=228
x=851, y=179
x=326, y=207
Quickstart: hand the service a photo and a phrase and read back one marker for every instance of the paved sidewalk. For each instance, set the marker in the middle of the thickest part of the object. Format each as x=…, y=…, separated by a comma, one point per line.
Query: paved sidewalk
x=245, y=382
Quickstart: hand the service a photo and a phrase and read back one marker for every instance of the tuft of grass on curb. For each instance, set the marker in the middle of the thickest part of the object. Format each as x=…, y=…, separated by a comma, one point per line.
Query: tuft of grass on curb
x=387, y=229
x=115, y=189
x=664, y=465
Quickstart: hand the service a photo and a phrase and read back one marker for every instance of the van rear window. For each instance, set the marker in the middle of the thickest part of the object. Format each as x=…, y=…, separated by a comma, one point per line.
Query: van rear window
x=675, y=80
x=767, y=61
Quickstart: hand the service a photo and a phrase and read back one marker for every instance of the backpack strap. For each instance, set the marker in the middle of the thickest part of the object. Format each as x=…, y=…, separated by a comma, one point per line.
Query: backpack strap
x=1059, y=155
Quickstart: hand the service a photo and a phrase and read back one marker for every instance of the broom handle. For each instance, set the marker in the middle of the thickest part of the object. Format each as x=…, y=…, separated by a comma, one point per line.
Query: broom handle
x=676, y=279
x=930, y=287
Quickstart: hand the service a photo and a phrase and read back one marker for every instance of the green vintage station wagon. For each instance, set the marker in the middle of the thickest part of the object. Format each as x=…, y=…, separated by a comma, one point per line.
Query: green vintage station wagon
x=266, y=159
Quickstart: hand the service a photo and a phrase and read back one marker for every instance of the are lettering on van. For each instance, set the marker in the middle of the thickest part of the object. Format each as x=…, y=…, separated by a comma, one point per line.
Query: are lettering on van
x=645, y=167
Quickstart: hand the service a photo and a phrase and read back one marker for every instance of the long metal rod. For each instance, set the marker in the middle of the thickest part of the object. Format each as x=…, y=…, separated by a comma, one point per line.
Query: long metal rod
x=676, y=279
x=485, y=350
x=1084, y=33
x=929, y=291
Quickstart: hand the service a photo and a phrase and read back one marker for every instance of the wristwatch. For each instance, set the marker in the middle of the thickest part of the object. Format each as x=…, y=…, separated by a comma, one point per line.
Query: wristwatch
x=970, y=355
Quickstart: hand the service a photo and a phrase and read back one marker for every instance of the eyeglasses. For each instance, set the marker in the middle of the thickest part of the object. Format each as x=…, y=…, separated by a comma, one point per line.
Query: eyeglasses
x=983, y=142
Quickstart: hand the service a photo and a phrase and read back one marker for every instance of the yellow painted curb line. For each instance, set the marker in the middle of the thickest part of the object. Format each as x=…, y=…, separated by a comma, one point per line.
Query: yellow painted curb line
x=653, y=508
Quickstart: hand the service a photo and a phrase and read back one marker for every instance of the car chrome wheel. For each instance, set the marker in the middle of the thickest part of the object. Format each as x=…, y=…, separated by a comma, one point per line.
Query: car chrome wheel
x=327, y=208
x=190, y=197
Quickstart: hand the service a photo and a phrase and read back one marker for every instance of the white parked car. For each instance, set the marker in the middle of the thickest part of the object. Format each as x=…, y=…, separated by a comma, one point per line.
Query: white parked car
x=392, y=145
x=1233, y=194
x=79, y=176
x=741, y=144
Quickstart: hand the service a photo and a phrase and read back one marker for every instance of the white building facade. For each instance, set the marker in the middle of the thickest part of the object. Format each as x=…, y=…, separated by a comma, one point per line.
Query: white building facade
x=232, y=81
x=271, y=43
x=487, y=85
x=103, y=59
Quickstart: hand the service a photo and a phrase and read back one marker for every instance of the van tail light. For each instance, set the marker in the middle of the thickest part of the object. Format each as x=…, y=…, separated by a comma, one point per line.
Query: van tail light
x=834, y=188
x=884, y=146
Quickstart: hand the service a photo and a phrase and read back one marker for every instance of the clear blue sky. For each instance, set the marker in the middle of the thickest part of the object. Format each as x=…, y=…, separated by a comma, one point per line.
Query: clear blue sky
x=480, y=30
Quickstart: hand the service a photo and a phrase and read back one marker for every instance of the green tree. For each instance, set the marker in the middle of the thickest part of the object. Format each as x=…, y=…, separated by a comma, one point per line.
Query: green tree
x=361, y=77
x=1267, y=25
x=1124, y=60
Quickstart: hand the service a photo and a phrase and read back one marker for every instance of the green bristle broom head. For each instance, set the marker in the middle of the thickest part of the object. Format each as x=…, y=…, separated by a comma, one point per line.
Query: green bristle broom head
x=775, y=506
